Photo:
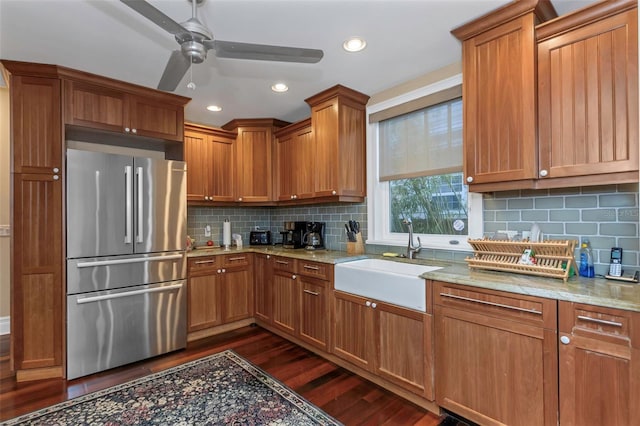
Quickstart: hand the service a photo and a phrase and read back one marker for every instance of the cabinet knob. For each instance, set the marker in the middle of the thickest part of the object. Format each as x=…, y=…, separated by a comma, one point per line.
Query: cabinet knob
x=134, y=130
x=333, y=192
x=293, y=277
x=367, y=303
x=295, y=197
x=56, y=170
x=291, y=197
x=210, y=197
x=469, y=179
x=239, y=198
x=373, y=305
x=544, y=173
x=219, y=271
x=224, y=270
x=268, y=256
x=56, y=177
x=126, y=129
x=565, y=340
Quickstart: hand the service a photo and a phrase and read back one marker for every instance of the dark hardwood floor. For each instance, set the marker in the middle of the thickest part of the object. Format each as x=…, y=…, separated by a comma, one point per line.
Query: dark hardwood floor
x=340, y=393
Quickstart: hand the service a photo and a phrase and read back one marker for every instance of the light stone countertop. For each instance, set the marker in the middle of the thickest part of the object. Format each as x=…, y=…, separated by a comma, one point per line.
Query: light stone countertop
x=594, y=291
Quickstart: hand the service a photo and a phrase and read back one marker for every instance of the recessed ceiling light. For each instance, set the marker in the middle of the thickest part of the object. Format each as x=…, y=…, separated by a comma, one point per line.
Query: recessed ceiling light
x=214, y=108
x=279, y=87
x=354, y=44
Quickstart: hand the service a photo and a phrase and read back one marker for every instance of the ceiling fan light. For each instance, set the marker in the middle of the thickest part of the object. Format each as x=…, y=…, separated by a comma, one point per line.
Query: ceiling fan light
x=279, y=87
x=214, y=108
x=354, y=44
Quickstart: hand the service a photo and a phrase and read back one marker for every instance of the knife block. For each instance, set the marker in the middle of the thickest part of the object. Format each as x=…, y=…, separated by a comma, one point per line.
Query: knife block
x=356, y=247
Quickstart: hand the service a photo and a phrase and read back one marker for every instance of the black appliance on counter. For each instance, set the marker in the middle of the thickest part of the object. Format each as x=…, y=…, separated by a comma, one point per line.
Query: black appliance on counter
x=260, y=238
x=313, y=239
x=293, y=234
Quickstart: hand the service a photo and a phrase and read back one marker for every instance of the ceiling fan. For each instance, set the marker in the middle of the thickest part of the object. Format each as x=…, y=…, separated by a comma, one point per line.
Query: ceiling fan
x=195, y=40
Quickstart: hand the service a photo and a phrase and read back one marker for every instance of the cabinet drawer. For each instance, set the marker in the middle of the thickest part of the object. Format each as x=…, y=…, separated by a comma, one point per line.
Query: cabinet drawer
x=202, y=265
x=524, y=309
x=284, y=264
x=608, y=324
x=322, y=271
x=240, y=259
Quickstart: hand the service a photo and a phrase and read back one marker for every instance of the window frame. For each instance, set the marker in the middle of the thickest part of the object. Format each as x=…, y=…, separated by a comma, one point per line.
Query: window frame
x=378, y=192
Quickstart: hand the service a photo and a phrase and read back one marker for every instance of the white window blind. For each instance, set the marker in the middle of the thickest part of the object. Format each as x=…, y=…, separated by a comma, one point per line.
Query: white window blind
x=425, y=142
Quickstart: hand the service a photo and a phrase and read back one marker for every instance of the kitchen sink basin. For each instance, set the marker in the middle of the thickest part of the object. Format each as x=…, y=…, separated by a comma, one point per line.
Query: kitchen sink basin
x=384, y=280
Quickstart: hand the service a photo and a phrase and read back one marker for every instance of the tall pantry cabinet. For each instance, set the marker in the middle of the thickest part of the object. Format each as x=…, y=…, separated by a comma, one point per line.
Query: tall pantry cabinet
x=37, y=294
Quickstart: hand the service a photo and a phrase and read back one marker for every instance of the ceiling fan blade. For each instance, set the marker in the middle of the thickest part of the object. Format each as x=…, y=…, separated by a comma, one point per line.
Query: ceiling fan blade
x=160, y=19
x=263, y=52
x=174, y=71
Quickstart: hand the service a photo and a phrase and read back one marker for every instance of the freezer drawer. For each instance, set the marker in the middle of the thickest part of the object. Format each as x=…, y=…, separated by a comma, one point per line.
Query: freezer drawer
x=112, y=272
x=107, y=329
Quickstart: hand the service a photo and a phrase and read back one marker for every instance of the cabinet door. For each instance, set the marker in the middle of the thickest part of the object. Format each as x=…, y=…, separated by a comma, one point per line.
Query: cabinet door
x=286, y=156
x=197, y=155
x=205, y=309
x=94, y=106
x=154, y=118
x=303, y=155
x=254, y=158
x=599, y=367
x=263, y=282
x=220, y=168
x=488, y=350
x=285, y=301
x=325, y=134
x=500, y=103
x=36, y=125
x=404, y=348
x=37, y=319
x=314, y=312
x=237, y=294
x=353, y=338
x=588, y=99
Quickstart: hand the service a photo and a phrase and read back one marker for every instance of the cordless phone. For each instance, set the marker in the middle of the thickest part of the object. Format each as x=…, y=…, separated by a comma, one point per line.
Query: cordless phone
x=615, y=266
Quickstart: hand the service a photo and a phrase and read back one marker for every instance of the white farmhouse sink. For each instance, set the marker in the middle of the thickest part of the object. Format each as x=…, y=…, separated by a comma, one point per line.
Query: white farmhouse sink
x=385, y=280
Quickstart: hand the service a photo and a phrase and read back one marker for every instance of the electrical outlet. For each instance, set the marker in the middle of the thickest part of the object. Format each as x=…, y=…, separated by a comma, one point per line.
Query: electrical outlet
x=207, y=231
x=5, y=230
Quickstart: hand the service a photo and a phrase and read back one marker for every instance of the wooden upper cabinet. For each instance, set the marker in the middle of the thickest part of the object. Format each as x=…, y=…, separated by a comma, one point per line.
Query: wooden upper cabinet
x=499, y=92
x=599, y=354
x=254, y=158
x=113, y=108
x=294, y=154
x=588, y=96
x=209, y=154
x=36, y=124
x=338, y=121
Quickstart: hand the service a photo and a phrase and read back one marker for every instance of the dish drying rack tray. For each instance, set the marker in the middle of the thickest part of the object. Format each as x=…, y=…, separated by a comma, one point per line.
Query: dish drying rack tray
x=554, y=258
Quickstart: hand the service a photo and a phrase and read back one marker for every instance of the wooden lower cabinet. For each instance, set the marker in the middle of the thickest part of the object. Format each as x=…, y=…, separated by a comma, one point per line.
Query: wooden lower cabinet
x=262, y=290
x=285, y=300
x=388, y=340
x=599, y=355
x=314, y=312
x=496, y=356
x=219, y=291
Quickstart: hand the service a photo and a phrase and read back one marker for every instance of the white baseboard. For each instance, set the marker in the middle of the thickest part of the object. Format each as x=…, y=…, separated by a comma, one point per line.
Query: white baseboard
x=4, y=325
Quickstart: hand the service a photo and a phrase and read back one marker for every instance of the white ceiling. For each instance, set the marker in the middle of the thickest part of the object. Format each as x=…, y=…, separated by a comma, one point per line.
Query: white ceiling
x=406, y=39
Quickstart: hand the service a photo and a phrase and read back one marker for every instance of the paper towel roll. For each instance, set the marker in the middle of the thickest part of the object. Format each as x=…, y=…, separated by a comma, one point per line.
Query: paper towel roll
x=226, y=233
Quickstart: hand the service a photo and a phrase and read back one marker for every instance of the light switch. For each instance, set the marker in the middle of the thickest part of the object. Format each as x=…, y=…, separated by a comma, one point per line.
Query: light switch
x=207, y=231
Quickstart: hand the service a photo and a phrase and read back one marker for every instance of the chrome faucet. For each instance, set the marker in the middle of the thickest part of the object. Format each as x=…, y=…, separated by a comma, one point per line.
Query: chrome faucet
x=411, y=249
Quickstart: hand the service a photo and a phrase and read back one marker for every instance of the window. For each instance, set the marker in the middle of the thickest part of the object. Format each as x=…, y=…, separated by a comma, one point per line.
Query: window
x=415, y=170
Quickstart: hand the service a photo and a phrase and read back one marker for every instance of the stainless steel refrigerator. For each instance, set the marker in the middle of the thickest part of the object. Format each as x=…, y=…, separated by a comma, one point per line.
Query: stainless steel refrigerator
x=126, y=263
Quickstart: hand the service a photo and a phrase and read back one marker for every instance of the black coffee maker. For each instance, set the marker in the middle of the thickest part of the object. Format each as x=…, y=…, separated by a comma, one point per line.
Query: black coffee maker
x=313, y=239
x=293, y=234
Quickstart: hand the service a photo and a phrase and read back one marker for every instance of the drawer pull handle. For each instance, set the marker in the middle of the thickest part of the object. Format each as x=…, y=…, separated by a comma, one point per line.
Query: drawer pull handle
x=313, y=268
x=600, y=321
x=313, y=293
x=200, y=262
x=282, y=262
x=231, y=259
x=498, y=305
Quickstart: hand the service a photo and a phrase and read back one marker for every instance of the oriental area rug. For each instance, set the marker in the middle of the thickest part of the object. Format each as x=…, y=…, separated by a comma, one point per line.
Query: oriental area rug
x=221, y=389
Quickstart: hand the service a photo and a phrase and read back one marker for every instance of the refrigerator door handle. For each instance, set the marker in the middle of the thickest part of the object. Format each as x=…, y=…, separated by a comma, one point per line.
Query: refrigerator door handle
x=91, y=299
x=128, y=205
x=139, y=231
x=125, y=261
